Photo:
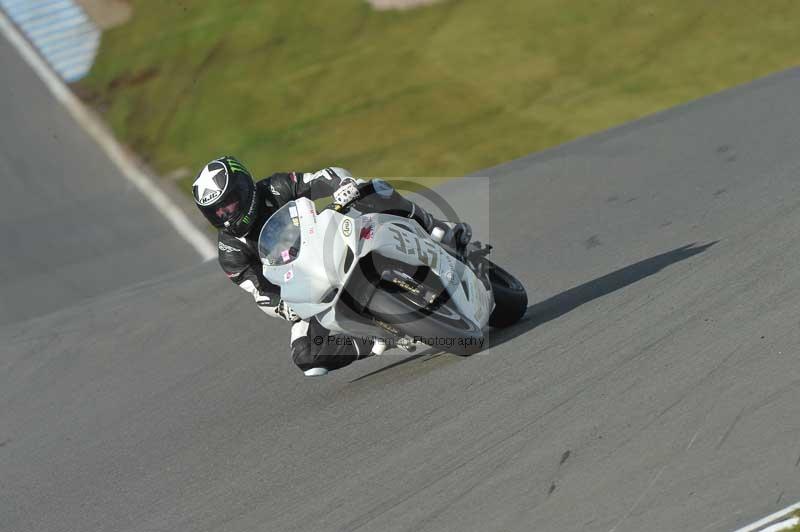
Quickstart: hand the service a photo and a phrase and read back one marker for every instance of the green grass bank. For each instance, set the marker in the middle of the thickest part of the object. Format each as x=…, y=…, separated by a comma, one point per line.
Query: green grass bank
x=436, y=91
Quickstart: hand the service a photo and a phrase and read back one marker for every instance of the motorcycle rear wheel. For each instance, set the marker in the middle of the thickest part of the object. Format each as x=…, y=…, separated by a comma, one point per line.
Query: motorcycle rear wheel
x=510, y=297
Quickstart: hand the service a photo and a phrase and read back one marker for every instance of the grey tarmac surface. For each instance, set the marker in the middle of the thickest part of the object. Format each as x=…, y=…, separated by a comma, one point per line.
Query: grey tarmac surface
x=653, y=386
x=73, y=227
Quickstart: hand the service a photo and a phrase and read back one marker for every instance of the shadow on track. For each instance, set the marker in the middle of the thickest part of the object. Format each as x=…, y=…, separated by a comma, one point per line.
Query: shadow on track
x=410, y=358
x=567, y=301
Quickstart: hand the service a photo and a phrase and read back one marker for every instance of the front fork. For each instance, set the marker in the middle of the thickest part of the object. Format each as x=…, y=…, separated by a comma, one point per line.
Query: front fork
x=475, y=257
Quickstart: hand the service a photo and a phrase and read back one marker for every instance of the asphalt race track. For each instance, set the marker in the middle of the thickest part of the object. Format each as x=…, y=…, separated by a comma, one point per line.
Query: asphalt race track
x=653, y=386
x=72, y=226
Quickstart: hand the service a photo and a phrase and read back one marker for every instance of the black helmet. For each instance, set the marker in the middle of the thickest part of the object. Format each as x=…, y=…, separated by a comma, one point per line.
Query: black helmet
x=226, y=195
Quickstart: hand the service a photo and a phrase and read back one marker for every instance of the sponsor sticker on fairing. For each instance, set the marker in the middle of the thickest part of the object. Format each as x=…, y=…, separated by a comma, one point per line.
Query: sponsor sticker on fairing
x=347, y=227
x=367, y=232
x=285, y=255
x=288, y=275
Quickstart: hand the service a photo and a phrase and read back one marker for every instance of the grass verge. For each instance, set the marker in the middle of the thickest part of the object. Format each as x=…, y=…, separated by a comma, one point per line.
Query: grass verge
x=438, y=91
x=795, y=528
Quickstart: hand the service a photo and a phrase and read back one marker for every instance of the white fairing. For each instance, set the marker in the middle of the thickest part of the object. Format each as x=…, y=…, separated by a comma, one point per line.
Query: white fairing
x=311, y=283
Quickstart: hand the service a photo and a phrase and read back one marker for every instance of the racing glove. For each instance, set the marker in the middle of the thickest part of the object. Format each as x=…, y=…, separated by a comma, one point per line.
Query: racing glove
x=284, y=311
x=347, y=191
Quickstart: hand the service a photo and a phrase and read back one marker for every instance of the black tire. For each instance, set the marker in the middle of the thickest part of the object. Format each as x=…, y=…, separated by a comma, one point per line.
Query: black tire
x=510, y=298
x=443, y=328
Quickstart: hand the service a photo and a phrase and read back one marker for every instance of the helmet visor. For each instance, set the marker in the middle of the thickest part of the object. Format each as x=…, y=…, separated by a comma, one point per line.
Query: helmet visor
x=228, y=210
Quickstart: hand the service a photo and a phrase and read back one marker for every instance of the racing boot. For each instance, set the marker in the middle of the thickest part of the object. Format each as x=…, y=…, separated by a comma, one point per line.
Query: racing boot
x=456, y=235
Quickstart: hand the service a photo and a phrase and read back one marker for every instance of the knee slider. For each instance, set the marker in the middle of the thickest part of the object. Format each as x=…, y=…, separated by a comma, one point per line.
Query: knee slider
x=303, y=354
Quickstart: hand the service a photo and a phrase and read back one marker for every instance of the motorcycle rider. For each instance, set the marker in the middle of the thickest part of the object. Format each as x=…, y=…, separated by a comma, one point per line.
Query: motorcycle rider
x=226, y=194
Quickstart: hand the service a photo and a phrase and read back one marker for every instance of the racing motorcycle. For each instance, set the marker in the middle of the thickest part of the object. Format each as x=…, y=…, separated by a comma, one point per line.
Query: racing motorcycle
x=384, y=277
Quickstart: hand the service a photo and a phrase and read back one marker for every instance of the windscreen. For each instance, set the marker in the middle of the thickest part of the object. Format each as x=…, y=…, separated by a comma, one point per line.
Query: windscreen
x=279, y=241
